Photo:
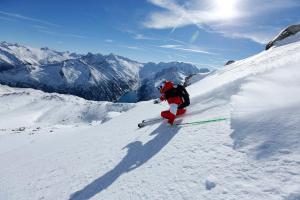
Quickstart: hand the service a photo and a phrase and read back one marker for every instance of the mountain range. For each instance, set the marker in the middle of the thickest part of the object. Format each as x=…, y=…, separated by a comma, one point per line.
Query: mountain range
x=91, y=76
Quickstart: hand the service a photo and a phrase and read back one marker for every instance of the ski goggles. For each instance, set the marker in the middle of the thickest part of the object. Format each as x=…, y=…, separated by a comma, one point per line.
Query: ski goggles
x=161, y=86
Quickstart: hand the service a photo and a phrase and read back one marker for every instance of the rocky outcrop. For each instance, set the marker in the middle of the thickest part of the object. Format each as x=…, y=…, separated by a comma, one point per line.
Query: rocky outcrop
x=286, y=33
x=229, y=62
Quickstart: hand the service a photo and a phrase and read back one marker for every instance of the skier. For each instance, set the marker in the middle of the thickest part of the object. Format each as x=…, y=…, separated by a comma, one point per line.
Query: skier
x=176, y=96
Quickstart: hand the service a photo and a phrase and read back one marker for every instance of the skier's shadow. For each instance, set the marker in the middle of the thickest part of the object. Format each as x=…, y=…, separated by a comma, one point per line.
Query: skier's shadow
x=137, y=155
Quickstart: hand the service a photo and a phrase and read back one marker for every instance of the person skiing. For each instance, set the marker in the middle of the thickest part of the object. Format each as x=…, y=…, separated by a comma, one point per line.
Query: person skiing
x=176, y=96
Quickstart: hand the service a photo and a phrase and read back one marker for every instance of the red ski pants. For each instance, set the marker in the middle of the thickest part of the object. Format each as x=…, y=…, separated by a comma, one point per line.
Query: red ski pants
x=170, y=116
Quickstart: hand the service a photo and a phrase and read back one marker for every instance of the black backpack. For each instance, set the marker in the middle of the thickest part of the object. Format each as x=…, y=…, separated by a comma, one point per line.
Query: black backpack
x=181, y=92
x=184, y=95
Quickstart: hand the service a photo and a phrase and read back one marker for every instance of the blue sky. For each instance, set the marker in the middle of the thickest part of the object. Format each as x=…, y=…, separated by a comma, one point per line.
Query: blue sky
x=204, y=32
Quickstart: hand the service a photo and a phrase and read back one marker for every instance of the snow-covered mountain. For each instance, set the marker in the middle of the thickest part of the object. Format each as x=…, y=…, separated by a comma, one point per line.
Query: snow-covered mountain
x=17, y=55
x=91, y=76
x=151, y=69
x=286, y=36
x=254, y=154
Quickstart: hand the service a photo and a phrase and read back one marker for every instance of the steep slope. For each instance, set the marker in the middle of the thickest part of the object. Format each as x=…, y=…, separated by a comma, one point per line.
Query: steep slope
x=208, y=161
x=288, y=35
x=265, y=118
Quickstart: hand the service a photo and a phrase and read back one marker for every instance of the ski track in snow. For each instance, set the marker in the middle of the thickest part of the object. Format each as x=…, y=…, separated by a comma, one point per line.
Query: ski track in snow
x=116, y=160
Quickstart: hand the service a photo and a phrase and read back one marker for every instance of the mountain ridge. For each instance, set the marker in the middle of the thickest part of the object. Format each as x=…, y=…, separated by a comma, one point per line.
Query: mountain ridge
x=91, y=76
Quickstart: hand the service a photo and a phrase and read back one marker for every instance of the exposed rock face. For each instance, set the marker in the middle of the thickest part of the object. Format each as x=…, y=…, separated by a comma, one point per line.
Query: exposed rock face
x=230, y=62
x=189, y=80
x=286, y=33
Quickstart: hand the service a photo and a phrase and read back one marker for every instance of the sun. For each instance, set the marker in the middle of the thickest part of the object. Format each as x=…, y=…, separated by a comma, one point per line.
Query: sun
x=225, y=9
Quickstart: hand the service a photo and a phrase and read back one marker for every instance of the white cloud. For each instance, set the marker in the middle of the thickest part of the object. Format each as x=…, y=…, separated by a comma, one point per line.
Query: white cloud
x=178, y=41
x=22, y=17
x=259, y=37
x=192, y=12
x=63, y=34
x=133, y=47
x=5, y=18
x=42, y=25
x=259, y=34
x=109, y=41
x=170, y=46
x=203, y=65
x=138, y=36
x=183, y=48
x=232, y=18
x=47, y=30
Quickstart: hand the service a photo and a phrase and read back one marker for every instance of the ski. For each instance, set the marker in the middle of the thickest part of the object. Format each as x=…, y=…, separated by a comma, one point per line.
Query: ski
x=201, y=122
x=155, y=120
x=149, y=121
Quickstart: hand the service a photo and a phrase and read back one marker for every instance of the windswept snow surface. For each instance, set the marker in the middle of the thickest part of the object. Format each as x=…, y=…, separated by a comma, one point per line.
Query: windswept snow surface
x=291, y=39
x=30, y=112
x=27, y=107
x=266, y=115
x=245, y=157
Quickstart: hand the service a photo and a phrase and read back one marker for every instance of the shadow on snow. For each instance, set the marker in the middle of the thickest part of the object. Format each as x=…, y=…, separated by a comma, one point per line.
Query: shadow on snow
x=137, y=155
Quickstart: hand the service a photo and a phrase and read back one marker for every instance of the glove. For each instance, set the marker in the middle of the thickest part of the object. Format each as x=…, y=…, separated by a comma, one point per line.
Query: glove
x=156, y=101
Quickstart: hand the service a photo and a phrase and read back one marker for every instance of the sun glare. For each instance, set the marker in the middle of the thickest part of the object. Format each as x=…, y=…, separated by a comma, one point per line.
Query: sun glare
x=225, y=9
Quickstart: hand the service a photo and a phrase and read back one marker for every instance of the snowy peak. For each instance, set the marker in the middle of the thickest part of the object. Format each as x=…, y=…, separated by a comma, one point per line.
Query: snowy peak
x=91, y=76
x=93, y=58
x=287, y=36
x=122, y=63
x=150, y=69
x=15, y=54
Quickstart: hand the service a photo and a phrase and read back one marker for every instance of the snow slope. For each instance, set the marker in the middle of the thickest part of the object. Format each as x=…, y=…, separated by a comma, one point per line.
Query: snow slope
x=29, y=112
x=265, y=118
x=252, y=155
x=28, y=107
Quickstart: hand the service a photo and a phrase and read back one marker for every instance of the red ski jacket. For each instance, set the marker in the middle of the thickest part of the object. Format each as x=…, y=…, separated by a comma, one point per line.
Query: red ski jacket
x=169, y=93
